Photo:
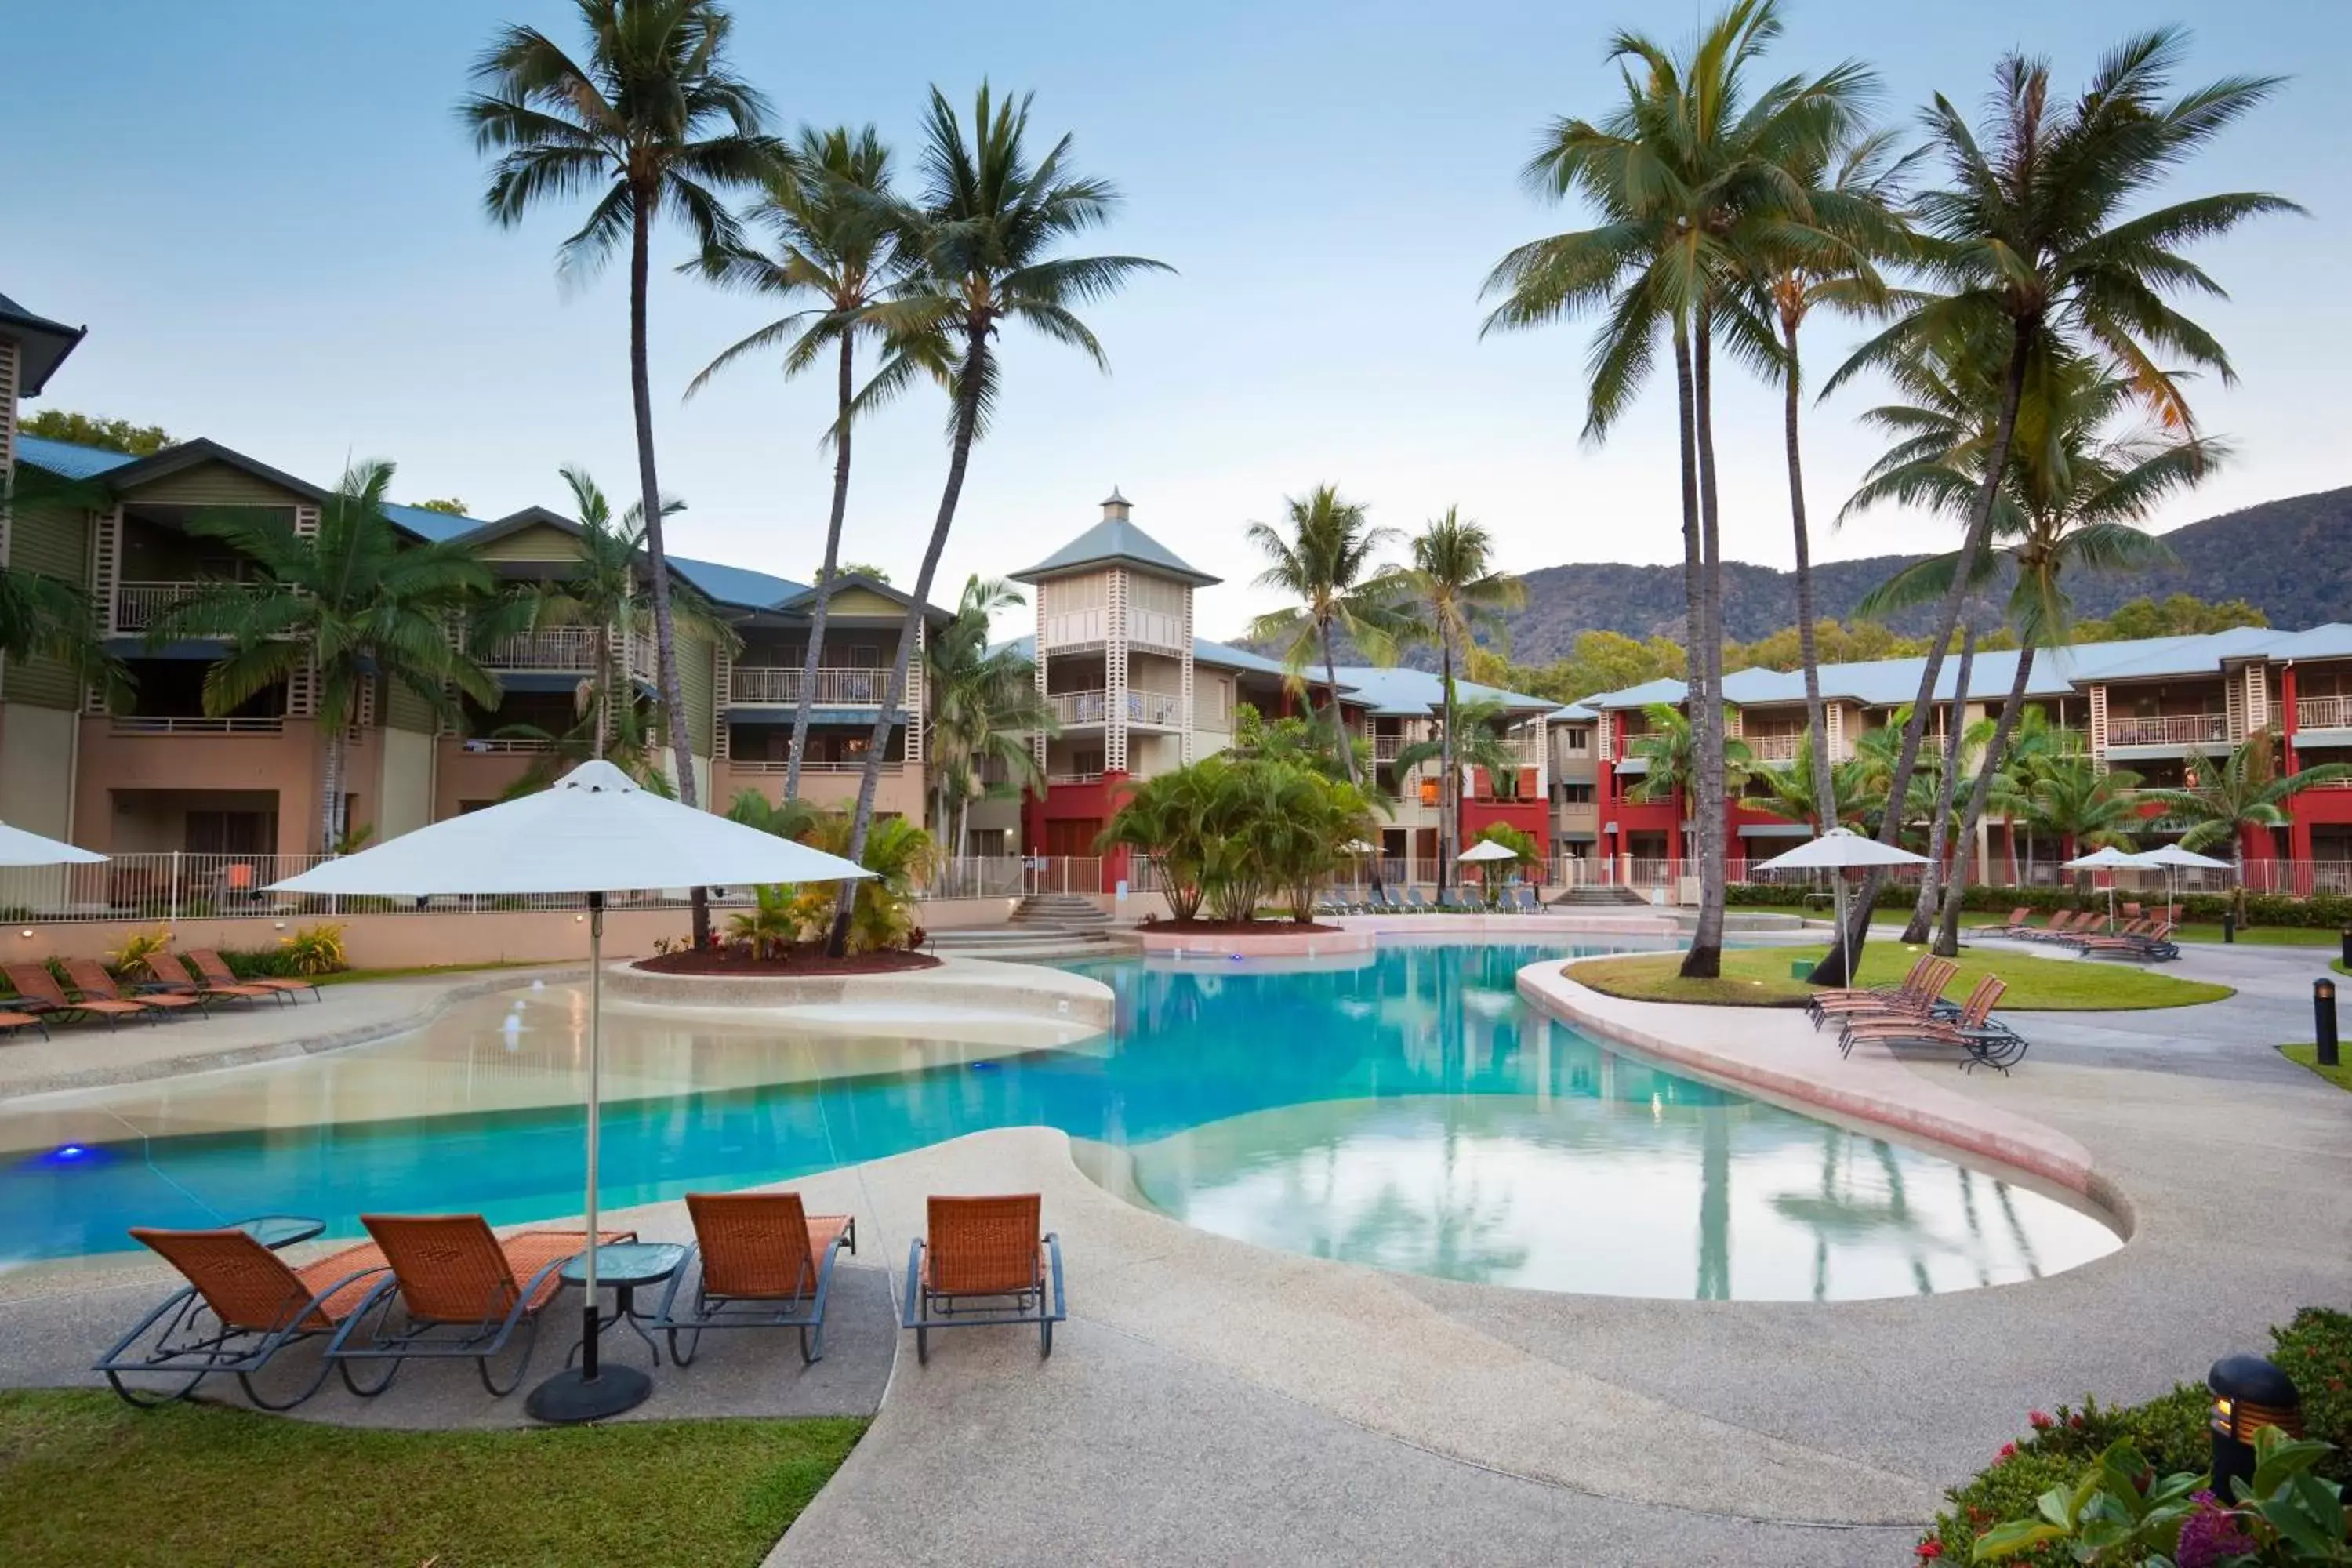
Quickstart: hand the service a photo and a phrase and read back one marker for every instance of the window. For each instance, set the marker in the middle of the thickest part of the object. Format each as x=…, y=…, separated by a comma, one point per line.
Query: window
x=1576, y=795
x=1088, y=760
x=1580, y=740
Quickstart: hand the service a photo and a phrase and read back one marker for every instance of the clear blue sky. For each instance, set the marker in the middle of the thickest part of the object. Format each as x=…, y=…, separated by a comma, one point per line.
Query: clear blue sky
x=269, y=216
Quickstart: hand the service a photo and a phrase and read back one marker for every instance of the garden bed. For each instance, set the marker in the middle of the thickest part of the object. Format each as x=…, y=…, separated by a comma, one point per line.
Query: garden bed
x=1235, y=928
x=1765, y=977
x=801, y=960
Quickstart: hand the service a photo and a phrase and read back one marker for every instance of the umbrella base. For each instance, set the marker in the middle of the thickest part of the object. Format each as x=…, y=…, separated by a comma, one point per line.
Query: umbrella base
x=573, y=1396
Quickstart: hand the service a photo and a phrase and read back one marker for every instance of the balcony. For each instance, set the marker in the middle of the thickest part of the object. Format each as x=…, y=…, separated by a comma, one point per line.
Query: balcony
x=779, y=768
x=1776, y=748
x=1385, y=748
x=2169, y=729
x=2323, y=713
x=137, y=605
x=760, y=686
x=1161, y=710
x=567, y=650
x=174, y=724
x=1073, y=778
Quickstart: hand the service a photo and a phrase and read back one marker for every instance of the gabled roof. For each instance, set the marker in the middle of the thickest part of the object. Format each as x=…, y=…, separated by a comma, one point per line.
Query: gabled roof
x=1114, y=541
x=68, y=460
x=41, y=345
x=1398, y=693
x=803, y=603
x=433, y=527
x=192, y=454
x=1226, y=656
x=1574, y=714
x=738, y=584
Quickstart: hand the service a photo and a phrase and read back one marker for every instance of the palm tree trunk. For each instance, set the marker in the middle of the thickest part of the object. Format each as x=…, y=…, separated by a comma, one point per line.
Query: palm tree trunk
x=967, y=427
x=1338, y=724
x=1947, y=926
x=1839, y=963
x=604, y=690
x=1923, y=910
x=1816, y=716
x=674, y=715
x=1448, y=803
x=330, y=789
x=1705, y=959
x=846, y=390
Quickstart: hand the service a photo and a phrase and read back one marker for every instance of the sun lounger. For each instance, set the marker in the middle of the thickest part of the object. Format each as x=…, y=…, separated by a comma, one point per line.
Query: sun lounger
x=1415, y=904
x=455, y=1291
x=2152, y=944
x=10, y=1022
x=40, y=993
x=2017, y=922
x=1914, y=996
x=1983, y=1040
x=760, y=1262
x=212, y=989
x=215, y=970
x=1391, y=902
x=89, y=977
x=242, y=1305
x=1527, y=903
x=1454, y=898
x=985, y=1262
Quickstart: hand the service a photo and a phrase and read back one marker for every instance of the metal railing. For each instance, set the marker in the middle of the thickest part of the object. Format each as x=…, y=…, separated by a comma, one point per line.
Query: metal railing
x=178, y=724
x=569, y=649
x=1782, y=748
x=837, y=686
x=1073, y=778
x=1162, y=708
x=976, y=877
x=2322, y=712
x=1062, y=874
x=780, y=768
x=507, y=745
x=2168, y=730
x=136, y=604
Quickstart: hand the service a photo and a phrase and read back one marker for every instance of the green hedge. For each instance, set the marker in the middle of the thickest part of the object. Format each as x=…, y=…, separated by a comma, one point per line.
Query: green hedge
x=260, y=964
x=2315, y=1350
x=2321, y=911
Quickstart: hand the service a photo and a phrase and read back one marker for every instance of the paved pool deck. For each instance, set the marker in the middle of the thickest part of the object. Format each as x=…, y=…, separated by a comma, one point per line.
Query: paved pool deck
x=1210, y=1401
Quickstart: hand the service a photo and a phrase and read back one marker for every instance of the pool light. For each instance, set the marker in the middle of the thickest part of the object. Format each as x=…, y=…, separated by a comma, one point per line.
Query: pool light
x=2249, y=1394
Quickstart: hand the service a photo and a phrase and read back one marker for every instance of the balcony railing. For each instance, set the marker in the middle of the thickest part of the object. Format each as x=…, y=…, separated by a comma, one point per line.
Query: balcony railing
x=2168, y=730
x=145, y=725
x=1386, y=747
x=1073, y=778
x=754, y=686
x=137, y=605
x=1776, y=748
x=2323, y=713
x=569, y=650
x=506, y=745
x=1163, y=709
x=780, y=768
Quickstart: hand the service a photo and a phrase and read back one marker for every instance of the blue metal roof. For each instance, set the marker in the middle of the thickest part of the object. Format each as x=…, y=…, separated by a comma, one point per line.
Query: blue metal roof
x=1114, y=539
x=738, y=584
x=67, y=460
x=440, y=527
x=1398, y=692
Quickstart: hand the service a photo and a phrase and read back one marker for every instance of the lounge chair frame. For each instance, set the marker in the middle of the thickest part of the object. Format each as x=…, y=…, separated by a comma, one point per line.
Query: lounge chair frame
x=803, y=1310
x=1040, y=1302
x=184, y=1340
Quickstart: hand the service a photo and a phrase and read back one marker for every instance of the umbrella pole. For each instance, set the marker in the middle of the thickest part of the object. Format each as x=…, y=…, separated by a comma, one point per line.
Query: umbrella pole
x=1838, y=942
x=592, y=1393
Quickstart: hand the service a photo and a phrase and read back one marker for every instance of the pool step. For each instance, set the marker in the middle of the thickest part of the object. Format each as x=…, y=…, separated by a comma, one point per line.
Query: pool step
x=1600, y=898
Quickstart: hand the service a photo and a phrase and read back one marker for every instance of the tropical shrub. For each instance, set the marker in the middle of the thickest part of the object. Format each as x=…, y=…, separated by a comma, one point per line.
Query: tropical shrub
x=138, y=956
x=1231, y=834
x=768, y=928
x=315, y=950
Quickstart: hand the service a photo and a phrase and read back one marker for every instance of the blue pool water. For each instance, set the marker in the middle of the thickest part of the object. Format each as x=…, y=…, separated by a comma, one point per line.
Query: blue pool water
x=1409, y=1113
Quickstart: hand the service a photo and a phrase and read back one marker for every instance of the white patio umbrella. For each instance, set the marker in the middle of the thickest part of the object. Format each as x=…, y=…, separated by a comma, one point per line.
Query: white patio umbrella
x=1840, y=850
x=594, y=832
x=1486, y=849
x=19, y=847
x=2108, y=859
x=2171, y=854
x=1358, y=847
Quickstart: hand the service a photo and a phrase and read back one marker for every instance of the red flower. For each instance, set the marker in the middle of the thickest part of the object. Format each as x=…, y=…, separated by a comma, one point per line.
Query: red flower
x=1929, y=1549
x=2007, y=1451
x=2075, y=1421
x=2040, y=1419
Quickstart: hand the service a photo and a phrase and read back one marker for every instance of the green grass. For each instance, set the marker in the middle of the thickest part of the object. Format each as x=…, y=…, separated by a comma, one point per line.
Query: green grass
x=1761, y=977
x=2307, y=1054
x=348, y=976
x=2190, y=930
x=85, y=1478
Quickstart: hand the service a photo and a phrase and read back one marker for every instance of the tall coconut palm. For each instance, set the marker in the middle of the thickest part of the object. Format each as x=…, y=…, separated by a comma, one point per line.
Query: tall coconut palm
x=984, y=249
x=1688, y=177
x=1444, y=595
x=2045, y=233
x=2083, y=470
x=985, y=706
x=653, y=120
x=600, y=594
x=1854, y=189
x=835, y=228
x=350, y=605
x=1324, y=562
x=1668, y=751
x=2244, y=793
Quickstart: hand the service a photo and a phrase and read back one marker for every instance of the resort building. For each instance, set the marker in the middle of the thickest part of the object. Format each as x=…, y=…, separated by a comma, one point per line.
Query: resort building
x=2162, y=707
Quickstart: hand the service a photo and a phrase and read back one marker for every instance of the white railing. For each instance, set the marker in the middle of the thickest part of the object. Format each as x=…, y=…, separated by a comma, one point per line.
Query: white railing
x=507, y=745
x=976, y=877
x=1163, y=709
x=2322, y=712
x=769, y=766
x=136, y=604
x=1775, y=748
x=158, y=724
x=1073, y=778
x=836, y=686
x=571, y=650
x=1385, y=748
x=2168, y=730
x=1080, y=707
x=1062, y=874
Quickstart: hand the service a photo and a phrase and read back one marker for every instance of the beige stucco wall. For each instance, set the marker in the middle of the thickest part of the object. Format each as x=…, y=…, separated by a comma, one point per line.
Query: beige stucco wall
x=285, y=763
x=404, y=784
x=37, y=747
x=901, y=793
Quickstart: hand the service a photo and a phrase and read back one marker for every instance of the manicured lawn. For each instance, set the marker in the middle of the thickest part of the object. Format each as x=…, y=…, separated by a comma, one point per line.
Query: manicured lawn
x=85, y=1478
x=2307, y=1054
x=1761, y=977
x=349, y=976
x=2190, y=931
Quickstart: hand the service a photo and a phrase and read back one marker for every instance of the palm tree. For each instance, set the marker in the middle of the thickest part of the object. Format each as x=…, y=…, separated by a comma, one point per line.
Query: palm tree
x=2246, y=792
x=2084, y=808
x=2036, y=742
x=2075, y=490
x=837, y=229
x=1324, y=562
x=788, y=818
x=1689, y=179
x=601, y=592
x=2045, y=233
x=657, y=122
x=1853, y=189
x=1474, y=739
x=984, y=706
x=984, y=250
x=1668, y=750
x=1449, y=591
x=350, y=605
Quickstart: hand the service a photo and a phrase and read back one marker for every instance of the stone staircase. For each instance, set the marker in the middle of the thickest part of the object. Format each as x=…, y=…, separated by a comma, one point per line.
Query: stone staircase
x=1044, y=925
x=1599, y=899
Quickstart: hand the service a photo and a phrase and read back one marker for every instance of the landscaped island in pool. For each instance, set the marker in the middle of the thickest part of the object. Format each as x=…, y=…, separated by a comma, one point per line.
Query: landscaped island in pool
x=1401, y=1109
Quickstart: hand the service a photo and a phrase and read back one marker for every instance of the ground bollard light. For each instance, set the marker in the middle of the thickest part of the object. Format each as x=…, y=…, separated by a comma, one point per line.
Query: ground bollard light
x=2346, y=938
x=2249, y=1394
x=2322, y=1021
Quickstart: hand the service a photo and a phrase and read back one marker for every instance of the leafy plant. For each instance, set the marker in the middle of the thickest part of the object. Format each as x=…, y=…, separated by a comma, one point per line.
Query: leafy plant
x=315, y=950
x=769, y=927
x=136, y=958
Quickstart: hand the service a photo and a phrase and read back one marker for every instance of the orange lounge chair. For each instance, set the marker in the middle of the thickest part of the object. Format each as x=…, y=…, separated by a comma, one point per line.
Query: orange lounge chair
x=456, y=1290
x=765, y=1263
x=985, y=1263
x=214, y=971
x=89, y=977
x=1975, y=1031
x=1914, y=998
x=42, y=994
x=207, y=987
x=241, y=1306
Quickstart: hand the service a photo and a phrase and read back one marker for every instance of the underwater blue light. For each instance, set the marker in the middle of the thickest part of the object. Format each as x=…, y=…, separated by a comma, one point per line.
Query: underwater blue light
x=65, y=1154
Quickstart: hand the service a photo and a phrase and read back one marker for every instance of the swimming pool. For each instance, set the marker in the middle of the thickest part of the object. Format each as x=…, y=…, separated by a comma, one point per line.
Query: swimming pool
x=1406, y=1111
